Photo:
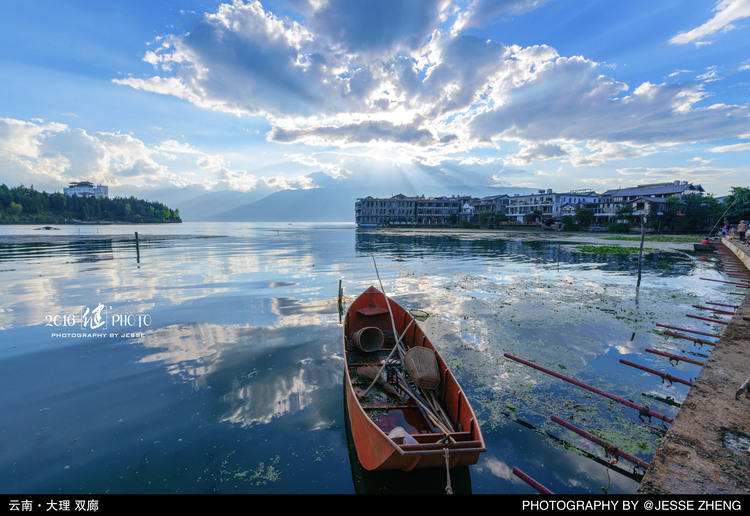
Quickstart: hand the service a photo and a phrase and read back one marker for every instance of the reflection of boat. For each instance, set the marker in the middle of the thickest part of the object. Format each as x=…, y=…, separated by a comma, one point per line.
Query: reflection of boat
x=426, y=421
x=48, y=228
x=703, y=247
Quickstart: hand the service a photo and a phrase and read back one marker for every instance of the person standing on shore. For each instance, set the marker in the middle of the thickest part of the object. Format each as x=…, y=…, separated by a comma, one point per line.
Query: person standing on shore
x=742, y=230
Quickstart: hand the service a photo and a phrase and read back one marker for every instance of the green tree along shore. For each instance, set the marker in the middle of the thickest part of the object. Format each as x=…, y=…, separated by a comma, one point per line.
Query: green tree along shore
x=24, y=205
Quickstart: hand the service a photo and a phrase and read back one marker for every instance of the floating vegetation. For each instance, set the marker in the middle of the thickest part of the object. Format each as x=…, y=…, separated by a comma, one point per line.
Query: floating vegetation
x=261, y=475
x=611, y=249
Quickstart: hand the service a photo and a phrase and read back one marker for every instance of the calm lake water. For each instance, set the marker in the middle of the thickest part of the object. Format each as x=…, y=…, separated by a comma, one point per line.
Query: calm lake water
x=213, y=364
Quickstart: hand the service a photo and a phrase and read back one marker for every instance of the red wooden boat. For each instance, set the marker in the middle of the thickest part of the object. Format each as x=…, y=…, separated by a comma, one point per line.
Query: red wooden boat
x=425, y=421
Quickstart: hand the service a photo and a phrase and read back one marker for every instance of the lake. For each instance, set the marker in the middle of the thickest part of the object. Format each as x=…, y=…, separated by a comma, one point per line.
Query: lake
x=207, y=359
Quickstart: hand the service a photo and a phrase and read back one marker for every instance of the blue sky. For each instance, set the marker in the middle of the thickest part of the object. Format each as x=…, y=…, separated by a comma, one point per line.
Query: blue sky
x=424, y=94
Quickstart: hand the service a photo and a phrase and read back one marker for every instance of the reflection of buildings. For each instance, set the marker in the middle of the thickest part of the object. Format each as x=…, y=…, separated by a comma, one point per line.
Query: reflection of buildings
x=543, y=207
x=86, y=189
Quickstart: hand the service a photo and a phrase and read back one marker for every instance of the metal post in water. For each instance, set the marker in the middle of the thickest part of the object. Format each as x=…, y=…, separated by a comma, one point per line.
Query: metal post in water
x=693, y=339
x=689, y=330
x=610, y=449
x=676, y=358
x=533, y=483
x=706, y=319
x=664, y=376
x=644, y=410
x=137, y=248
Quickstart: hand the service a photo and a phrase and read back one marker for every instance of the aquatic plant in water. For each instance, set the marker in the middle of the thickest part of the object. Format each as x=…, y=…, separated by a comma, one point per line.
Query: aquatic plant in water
x=611, y=249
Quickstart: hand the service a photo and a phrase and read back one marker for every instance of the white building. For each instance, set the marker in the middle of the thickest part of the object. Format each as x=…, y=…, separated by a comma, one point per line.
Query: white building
x=86, y=189
x=546, y=205
x=643, y=197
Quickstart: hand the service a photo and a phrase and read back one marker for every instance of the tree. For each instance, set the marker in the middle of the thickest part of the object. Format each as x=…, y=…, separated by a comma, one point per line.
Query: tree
x=700, y=213
x=739, y=200
x=585, y=217
x=624, y=213
x=21, y=204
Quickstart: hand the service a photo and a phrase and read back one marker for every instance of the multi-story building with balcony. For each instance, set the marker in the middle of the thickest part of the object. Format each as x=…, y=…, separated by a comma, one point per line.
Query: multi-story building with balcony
x=86, y=189
x=544, y=206
x=642, y=197
x=401, y=210
x=547, y=205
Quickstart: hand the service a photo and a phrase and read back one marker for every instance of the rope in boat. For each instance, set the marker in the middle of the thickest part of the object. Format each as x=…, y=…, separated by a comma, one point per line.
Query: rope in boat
x=448, y=487
x=427, y=403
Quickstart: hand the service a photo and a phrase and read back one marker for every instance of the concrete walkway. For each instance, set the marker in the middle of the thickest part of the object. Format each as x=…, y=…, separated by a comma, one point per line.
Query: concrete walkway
x=707, y=448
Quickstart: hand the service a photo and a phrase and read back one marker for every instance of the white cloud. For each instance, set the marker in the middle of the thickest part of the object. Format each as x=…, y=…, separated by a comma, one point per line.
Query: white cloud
x=727, y=12
x=710, y=75
x=737, y=147
x=402, y=79
x=49, y=155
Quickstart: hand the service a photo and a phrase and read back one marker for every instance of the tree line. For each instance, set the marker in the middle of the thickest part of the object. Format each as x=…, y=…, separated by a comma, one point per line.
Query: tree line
x=22, y=204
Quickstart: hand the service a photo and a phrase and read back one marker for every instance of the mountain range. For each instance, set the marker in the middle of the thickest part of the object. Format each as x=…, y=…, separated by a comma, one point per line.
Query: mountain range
x=308, y=205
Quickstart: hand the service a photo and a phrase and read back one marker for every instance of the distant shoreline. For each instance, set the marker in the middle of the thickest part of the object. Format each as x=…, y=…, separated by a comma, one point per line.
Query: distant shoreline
x=85, y=223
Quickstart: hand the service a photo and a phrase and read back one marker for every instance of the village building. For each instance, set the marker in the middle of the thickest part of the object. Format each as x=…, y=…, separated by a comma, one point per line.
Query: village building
x=401, y=210
x=544, y=207
x=642, y=197
x=492, y=209
x=86, y=189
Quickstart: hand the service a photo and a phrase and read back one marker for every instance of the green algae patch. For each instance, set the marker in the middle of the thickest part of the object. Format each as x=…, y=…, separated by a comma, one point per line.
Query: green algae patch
x=611, y=249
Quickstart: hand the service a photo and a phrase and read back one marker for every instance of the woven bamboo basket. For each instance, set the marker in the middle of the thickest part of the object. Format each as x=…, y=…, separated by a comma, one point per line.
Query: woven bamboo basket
x=422, y=365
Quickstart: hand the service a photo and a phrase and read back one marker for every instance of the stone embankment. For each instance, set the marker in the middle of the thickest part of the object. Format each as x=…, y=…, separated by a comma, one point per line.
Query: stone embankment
x=707, y=448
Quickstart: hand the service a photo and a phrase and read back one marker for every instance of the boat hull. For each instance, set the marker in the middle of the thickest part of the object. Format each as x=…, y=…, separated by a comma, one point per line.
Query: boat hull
x=371, y=421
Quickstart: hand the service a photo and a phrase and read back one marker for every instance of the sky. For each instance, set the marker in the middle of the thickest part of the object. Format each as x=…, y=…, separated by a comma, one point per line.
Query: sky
x=427, y=94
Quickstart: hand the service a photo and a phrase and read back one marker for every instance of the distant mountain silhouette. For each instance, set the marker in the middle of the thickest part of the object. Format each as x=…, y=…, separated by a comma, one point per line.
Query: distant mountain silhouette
x=203, y=205
x=326, y=204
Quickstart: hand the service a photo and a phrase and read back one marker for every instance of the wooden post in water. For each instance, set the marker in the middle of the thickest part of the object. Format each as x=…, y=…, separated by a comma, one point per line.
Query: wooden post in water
x=137, y=248
x=640, y=252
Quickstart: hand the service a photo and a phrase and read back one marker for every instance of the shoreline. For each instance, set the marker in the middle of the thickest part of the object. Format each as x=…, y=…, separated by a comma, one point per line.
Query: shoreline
x=85, y=223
